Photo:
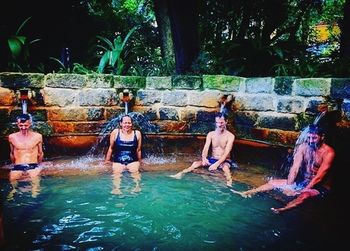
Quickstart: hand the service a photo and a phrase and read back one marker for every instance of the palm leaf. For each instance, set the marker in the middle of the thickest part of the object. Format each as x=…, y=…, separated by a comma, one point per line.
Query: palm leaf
x=22, y=25
x=109, y=43
x=103, y=62
x=15, y=45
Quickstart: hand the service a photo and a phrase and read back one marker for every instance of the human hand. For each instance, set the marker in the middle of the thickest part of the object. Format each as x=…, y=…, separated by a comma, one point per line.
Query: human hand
x=205, y=161
x=213, y=167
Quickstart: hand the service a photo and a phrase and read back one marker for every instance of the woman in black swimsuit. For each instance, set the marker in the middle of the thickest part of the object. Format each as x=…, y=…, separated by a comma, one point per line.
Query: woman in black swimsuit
x=125, y=147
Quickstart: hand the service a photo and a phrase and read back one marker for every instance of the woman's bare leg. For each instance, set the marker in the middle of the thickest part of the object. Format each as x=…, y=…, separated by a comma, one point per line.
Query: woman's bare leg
x=117, y=174
x=135, y=174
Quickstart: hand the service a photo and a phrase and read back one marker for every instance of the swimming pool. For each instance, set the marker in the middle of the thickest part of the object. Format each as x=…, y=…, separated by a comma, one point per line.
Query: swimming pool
x=75, y=210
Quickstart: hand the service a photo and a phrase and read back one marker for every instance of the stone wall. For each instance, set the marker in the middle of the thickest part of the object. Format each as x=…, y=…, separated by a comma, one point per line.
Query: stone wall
x=271, y=110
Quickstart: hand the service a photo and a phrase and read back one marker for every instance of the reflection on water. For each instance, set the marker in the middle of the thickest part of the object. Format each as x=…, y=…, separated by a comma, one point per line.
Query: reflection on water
x=195, y=213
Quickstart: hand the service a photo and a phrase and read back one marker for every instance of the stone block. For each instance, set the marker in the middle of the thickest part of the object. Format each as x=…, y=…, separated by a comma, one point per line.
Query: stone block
x=187, y=82
x=129, y=82
x=340, y=88
x=99, y=81
x=158, y=83
x=17, y=81
x=223, y=83
x=69, y=81
x=259, y=85
x=283, y=85
x=312, y=87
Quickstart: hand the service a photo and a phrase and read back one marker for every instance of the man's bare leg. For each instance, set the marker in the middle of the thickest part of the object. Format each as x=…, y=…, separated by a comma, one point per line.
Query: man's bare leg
x=228, y=175
x=294, y=203
x=13, y=177
x=35, y=179
x=194, y=165
x=249, y=193
x=271, y=184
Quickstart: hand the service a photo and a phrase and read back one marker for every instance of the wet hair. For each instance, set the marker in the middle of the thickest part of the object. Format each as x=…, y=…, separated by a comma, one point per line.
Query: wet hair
x=23, y=118
x=315, y=129
x=125, y=116
x=221, y=115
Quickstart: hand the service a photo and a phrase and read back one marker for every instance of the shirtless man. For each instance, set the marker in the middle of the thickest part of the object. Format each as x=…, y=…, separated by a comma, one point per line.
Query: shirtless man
x=26, y=153
x=221, y=141
x=313, y=159
x=125, y=145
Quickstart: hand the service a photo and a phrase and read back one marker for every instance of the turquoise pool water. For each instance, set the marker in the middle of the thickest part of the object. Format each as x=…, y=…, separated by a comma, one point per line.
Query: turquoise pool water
x=197, y=212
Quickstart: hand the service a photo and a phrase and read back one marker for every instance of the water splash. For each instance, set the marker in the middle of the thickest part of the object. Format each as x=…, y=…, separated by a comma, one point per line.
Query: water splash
x=318, y=118
x=126, y=107
x=24, y=105
x=222, y=108
x=140, y=122
x=303, y=135
x=301, y=140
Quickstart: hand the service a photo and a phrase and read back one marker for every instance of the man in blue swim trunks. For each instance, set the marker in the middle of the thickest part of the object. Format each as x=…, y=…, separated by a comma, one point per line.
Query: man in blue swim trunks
x=26, y=153
x=313, y=160
x=221, y=142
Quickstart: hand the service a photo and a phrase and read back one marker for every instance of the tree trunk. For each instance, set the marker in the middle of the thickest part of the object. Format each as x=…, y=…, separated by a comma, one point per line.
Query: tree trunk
x=183, y=16
x=345, y=32
x=166, y=44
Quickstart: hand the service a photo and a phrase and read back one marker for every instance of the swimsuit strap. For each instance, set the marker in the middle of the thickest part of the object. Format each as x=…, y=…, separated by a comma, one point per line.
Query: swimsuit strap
x=116, y=138
x=135, y=138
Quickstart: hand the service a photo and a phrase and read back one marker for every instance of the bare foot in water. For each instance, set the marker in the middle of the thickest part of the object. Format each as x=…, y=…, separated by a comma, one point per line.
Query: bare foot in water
x=176, y=176
x=137, y=189
x=116, y=191
x=11, y=194
x=276, y=210
x=229, y=183
x=243, y=194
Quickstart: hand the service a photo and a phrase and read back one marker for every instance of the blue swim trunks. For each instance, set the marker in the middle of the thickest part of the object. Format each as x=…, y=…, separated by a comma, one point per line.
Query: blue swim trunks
x=213, y=160
x=321, y=189
x=24, y=167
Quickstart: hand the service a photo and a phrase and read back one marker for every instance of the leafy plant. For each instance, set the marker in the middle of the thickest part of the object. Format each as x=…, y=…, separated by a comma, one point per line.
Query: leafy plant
x=19, y=49
x=112, y=56
x=77, y=68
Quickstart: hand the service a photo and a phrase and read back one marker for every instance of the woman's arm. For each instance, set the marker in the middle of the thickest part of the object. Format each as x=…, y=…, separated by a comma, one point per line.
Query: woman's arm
x=111, y=145
x=139, y=145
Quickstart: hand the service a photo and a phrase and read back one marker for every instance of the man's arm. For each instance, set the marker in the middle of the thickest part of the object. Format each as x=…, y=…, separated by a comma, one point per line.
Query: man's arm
x=206, y=149
x=323, y=170
x=40, y=149
x=12, y=150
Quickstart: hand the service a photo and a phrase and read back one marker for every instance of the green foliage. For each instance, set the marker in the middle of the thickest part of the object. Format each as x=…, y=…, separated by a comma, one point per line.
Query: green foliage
x=112, y=54
x=241, y=37
x=130, y=5
x=77, y=68
x=19, y=47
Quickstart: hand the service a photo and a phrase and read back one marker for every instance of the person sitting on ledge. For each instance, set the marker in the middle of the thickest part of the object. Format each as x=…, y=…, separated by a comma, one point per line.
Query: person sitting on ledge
x=309, y=174
x=221, y=141
x=26, y=152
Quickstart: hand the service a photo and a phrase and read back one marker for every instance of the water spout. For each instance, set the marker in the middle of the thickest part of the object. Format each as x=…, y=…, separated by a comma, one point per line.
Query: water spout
x=224, y=101
x=126, y=97
x=24, y=96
